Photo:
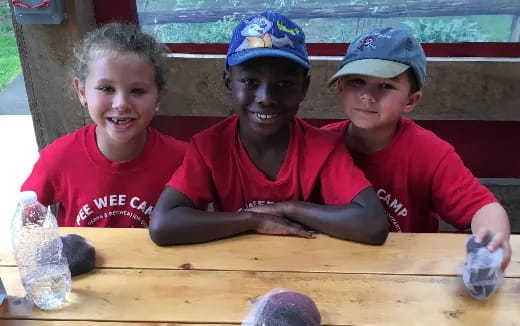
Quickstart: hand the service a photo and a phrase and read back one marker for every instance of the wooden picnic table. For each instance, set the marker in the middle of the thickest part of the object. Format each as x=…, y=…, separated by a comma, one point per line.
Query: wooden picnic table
x=411, y=280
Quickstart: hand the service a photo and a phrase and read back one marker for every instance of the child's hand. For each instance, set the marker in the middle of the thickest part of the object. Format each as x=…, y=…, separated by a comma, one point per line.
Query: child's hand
x=498, y=240
x=276, y=225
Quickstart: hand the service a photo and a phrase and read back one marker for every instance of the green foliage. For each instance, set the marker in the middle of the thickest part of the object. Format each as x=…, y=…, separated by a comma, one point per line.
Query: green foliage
x=218, y=32
x=456, y=30
x=6, y=25
x=490, y=28
x=341, y=33
x=9, y=60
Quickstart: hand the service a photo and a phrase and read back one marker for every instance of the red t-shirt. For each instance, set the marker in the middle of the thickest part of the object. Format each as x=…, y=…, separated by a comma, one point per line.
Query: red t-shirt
x=94, y=191
x=418, y=178
x=217, y=169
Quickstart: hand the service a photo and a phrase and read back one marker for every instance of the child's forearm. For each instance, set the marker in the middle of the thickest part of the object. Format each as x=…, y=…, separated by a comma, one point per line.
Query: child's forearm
x=493, y=218
x=185, y=225
x=174, y=221
x=364, y=220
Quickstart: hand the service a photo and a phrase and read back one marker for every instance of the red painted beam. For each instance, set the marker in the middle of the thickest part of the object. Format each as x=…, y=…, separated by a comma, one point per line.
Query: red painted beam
x=107, y=11
x=493, y=50
x=487, y=147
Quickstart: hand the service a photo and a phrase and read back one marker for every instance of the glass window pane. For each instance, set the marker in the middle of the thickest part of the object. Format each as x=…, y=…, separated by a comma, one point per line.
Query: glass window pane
x=336, y=21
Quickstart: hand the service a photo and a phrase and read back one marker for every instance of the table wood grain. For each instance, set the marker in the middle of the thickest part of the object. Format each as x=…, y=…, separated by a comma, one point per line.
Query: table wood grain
x=225, y=297
x=403, y=253
x=411, y=280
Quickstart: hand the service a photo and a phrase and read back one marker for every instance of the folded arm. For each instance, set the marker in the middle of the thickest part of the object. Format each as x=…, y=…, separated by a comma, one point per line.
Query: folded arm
x=363, y=220
x=175, y=221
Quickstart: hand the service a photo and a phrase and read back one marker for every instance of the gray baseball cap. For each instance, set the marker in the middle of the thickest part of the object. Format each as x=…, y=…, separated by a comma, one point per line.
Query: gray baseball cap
x=384, y=52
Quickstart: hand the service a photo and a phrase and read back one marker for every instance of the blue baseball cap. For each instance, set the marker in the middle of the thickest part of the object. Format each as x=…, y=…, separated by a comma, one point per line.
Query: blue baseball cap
x=268, y=34
x=384, y=52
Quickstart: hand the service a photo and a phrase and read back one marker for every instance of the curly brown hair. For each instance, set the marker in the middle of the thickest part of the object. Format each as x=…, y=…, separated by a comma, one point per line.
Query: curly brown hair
x=124, y=38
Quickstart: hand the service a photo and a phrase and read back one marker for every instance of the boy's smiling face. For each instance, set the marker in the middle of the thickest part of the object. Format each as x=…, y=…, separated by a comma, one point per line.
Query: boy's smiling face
x=373, y=102
x=266, y=93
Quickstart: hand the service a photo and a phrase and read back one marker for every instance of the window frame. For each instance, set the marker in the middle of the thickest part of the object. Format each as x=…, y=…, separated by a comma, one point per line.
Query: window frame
x=126, y=10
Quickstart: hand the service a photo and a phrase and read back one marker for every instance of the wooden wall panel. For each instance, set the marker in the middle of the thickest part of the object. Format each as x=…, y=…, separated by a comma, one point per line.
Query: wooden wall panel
x=46, y=56
x=454, y=90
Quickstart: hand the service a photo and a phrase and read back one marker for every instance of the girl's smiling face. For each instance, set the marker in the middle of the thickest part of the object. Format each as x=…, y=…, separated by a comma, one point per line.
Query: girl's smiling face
x=121, y=95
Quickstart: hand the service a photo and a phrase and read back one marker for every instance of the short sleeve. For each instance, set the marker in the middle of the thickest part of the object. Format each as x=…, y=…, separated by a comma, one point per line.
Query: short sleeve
x=42, y=182
x=193, y=178
x=341, y=180
x=457, y=195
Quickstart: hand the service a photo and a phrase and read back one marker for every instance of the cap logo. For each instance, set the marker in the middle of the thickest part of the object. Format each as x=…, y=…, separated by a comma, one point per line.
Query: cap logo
x=256, y=34
x=282, y=27
x=368, y=42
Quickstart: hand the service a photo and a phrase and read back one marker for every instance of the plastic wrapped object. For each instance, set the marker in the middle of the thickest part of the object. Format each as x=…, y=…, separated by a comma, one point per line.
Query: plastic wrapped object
x=481, y=273
x=283, y=308
x=80, y=254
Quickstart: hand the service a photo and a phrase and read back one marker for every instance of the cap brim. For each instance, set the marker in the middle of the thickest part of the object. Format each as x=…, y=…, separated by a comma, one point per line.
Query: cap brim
x=239, y=57
x=370, y=67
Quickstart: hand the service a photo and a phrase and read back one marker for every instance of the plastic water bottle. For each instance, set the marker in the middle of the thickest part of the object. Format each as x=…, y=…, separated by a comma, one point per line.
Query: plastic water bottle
x=37, y=249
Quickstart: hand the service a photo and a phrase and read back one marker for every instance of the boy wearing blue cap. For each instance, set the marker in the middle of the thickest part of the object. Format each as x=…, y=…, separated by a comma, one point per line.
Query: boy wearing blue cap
x=417, y=176
x=264, y=169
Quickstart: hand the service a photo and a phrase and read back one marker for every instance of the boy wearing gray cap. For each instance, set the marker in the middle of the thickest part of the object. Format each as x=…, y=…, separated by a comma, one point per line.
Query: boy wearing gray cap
x=417, y=176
